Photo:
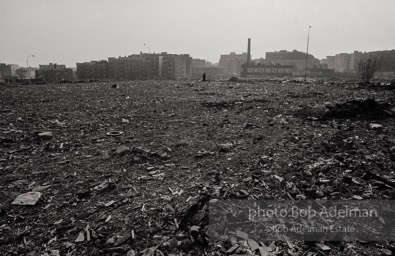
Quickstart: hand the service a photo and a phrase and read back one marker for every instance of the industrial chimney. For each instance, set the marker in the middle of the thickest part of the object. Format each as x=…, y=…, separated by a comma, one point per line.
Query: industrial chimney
x=247, y=64
x=249, y=52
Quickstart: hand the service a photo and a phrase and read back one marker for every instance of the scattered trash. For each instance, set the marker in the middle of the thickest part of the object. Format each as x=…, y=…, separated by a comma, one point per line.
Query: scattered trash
x=357, y=197
x=45, y=135
x=375, y=126
x=253, y=245
x=125, y=238
x=226, y=147
x=114, y=133
x=280, y=179
x=195, y=231
x=84, y=193
x=241, y=235
x=180, y=158
x=323, y=247
x=58, y=123
x=29, y=198
x=121, y=150
x=51, y=253
x=40, y=188
x=204, y=153
x=111, y=240
x=386, y=252
x=110, y=203
x=232, y=249
x=80, y=238
x=131, y=253
x=247, y=125
x=68, y=245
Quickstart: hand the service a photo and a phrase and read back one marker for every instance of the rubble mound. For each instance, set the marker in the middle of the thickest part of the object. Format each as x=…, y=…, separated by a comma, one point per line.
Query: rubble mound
x=219, y=104
x=359, y=108
x=234, y=79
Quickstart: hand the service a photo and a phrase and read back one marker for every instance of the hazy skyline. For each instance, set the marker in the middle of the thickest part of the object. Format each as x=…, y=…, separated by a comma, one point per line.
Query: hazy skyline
x=66, y=32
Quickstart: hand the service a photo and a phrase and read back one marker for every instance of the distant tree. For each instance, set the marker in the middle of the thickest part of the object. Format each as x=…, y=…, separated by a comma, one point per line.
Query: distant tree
x=367, y=66
x=21, y=73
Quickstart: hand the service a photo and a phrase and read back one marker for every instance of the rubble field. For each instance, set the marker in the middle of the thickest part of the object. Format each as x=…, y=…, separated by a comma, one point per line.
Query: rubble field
x=129, y=167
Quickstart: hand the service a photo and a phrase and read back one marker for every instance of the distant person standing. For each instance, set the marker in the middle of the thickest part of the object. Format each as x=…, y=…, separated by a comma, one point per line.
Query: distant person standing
x=204, y=77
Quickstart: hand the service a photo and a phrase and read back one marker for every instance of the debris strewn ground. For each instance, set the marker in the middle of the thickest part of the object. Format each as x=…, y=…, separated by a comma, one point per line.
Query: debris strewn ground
x=131, y=170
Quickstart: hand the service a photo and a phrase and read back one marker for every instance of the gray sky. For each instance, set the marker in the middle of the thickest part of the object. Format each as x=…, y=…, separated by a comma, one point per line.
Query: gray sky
x=70, y=31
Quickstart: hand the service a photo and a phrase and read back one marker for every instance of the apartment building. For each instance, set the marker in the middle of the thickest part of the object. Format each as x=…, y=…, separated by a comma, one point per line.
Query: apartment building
x=342, y=62
x=355, y=58
x=345, y=62
x=183, y=66
x=331, y=62
x=51, y=66
x=150, y=65
x=198, y=63
x=5, y=71
x=232, y=62
x=93, y=70
x=128, y=67
x=295, y=58
x=54, y=73
x=10, y=71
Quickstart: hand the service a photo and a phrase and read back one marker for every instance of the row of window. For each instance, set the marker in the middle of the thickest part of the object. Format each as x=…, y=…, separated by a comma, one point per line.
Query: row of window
x=269, y=70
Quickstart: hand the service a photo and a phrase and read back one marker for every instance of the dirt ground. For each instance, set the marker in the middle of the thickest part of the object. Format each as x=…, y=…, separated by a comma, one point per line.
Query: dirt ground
x=180, y=144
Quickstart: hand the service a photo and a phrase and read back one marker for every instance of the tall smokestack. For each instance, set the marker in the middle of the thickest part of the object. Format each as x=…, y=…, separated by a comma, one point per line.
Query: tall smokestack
x=249, y=51
x=247, y=64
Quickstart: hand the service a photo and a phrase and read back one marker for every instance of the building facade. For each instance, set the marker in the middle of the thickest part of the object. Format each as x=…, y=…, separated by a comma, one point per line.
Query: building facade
x=198, y=63
x=183, y=65
x=331, y=62
x=51, y=66
x=128, y=67
x=11, y=71
x=232, y=62
x=295, y=58
x=342, y=62
x=268, y=70
x=355, y=58
x=93, y=70
x=138, y=66
x=5, y=71
x=54, y=73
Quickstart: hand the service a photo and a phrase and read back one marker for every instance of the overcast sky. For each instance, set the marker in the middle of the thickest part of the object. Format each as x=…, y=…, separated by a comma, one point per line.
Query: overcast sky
x=70, y=31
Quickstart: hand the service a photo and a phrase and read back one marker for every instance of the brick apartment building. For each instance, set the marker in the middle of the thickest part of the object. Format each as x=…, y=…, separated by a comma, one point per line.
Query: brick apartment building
x=198, y=63
x=138, y=66
x=54, y=73
x=128, y=67
x=342, y=62
x=349, y=62
x=5, y=71
x=93, y=70
x=330, y=61
x=9, y=71
x=232, y=62
x=51, y=66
